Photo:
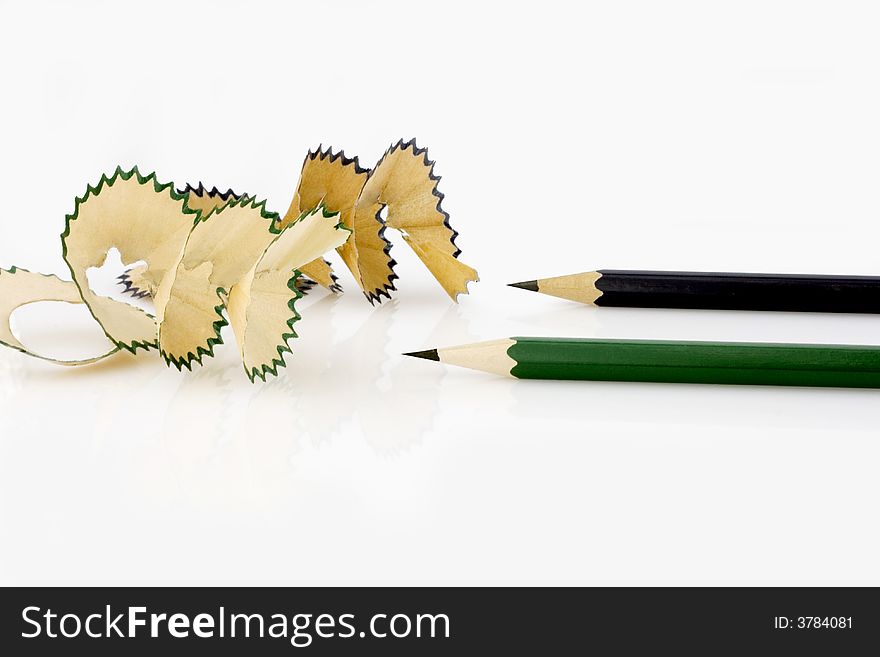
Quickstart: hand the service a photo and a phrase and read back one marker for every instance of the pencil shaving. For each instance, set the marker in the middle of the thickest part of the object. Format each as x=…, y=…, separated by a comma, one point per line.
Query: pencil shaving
x=336, y=181
x=263, y=326
x=201, y=254
x=144, y=221
x=403, y=184
x=20, y=287
x=404, y=187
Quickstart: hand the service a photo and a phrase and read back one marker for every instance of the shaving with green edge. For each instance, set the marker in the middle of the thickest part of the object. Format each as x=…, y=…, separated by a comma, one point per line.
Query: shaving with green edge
x=209, y=255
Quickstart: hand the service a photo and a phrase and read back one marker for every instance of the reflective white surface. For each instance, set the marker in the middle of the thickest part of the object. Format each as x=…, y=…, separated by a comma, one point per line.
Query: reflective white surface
x=568, y=139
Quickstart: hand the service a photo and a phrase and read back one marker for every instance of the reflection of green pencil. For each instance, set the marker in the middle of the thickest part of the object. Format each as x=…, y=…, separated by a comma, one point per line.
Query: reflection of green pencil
x=754, y=363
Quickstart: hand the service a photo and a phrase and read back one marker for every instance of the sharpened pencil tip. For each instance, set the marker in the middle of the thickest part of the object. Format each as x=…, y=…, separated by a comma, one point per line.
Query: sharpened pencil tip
x=531, y=286
x=428, y=354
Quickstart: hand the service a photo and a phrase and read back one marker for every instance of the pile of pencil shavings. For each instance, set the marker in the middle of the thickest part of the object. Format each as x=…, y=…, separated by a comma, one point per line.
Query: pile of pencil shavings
x=208, y=253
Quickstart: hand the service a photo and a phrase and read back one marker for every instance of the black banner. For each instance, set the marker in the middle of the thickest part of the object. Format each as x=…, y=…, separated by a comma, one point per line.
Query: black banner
x=414, y=621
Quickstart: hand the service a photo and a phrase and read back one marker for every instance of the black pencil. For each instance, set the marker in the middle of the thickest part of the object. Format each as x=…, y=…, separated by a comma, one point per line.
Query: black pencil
x=715, y=290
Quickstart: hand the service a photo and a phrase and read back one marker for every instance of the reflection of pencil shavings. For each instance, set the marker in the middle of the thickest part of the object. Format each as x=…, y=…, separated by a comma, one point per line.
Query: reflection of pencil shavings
x=200, y=253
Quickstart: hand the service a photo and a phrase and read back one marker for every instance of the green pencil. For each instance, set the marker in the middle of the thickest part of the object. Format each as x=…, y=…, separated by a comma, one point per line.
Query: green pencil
x=749, y=363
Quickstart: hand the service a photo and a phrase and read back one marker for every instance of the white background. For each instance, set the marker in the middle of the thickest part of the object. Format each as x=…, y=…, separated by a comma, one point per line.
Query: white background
x=739, y=136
